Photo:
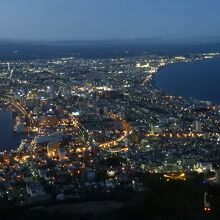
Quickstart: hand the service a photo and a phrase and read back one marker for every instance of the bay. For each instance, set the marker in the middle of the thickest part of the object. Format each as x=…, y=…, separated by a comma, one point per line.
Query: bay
x=199, y=79
x=8, y=140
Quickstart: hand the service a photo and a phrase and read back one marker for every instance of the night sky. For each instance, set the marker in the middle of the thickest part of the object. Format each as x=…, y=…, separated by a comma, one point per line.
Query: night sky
x=108, y=19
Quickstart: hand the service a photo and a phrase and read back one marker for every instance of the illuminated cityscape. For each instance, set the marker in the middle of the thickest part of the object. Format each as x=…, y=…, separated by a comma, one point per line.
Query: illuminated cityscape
x=101, y=127
x=110, y=110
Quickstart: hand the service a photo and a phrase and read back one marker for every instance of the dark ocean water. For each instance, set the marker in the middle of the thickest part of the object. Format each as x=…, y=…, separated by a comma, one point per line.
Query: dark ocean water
x=200, y=80
x=8, y=140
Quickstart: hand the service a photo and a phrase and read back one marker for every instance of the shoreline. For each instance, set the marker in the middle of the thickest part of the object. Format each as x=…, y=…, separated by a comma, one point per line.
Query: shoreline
x=165, y=91
x=16, y=137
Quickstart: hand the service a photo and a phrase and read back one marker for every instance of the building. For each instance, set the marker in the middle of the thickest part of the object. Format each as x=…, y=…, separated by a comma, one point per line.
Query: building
x=62, y=153
x=52, y=149
x=35, y=190
x=197, y=126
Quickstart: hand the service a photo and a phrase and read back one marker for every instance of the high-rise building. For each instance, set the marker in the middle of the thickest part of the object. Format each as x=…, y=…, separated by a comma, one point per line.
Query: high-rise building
x=62, y=153
x=197, y=126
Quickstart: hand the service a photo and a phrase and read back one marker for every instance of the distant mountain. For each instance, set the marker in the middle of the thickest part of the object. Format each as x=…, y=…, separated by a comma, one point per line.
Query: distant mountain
x=156, y=40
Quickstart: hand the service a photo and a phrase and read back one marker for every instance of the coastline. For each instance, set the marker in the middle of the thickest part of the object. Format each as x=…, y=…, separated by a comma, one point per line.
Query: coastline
x=7, y=132
x=158, y=87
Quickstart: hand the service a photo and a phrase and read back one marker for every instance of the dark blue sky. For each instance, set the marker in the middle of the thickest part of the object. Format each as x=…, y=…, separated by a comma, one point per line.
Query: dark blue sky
x=108, y=19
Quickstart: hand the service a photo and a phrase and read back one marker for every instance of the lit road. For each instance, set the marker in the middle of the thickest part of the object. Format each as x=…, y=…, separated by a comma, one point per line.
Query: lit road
x=127, y=130
x=175, y=135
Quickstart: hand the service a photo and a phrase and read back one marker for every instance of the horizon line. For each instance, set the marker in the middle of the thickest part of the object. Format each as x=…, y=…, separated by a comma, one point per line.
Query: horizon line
x=163, y=39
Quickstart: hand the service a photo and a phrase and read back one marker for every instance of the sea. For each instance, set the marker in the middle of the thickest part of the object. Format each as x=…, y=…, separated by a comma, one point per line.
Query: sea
x=199, y=79
x=8, y=139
